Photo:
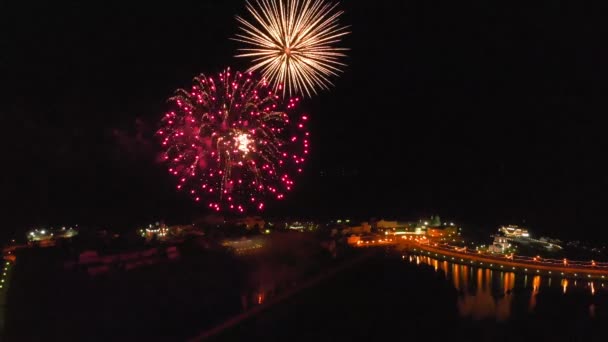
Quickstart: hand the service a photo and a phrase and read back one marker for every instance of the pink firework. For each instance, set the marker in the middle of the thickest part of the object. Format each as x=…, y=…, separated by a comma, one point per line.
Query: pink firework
x=229, y=141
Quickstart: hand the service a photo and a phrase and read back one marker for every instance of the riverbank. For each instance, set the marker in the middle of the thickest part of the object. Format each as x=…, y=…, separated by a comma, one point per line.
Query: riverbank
x=502, y=263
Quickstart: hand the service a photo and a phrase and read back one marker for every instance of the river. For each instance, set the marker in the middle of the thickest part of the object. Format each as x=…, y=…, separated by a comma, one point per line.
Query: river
x=492, y=294
x=419, y=298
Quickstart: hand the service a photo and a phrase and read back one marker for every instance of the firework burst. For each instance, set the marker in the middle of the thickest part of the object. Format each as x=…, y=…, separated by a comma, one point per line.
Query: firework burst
x=228, y=140
x=293, y=42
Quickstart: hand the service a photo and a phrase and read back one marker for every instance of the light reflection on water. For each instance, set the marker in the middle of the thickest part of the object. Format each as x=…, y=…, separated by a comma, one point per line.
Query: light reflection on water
x=486, y=293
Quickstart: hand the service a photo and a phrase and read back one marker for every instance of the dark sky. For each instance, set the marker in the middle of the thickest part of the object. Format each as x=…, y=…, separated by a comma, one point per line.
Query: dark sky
x=483, y=113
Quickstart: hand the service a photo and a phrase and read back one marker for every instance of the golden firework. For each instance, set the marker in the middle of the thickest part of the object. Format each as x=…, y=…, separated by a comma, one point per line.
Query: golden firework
x=292, y=42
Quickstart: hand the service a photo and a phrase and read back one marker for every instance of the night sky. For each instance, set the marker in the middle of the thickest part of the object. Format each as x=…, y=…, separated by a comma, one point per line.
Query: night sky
x=486, y=114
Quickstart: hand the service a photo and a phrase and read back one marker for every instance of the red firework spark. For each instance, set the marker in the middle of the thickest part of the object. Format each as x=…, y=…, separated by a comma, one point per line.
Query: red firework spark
x=229, y=140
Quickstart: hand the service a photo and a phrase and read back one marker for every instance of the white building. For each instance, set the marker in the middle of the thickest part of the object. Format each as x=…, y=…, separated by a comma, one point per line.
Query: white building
x=499, y=245
x=514, y=231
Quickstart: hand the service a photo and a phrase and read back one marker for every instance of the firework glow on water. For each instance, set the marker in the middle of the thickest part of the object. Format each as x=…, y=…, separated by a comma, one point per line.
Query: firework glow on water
x=229, y=142
x=293, y=43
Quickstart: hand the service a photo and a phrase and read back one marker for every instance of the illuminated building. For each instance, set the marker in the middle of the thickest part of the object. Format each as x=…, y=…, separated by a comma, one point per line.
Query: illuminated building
x=353, y=240
x=296, y=226
x=397, y=227
x=39, y=235
x=514, y=231
x=383, y=224
x=500, y=245
x=363, y=228
x=158, y=230
x=44, y=235
x=302, y=225
x=441, y=231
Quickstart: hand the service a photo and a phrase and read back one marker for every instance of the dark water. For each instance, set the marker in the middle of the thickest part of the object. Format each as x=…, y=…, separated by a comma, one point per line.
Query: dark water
x=389, y=298
x=504, y=296
x=377, y=298
x=169, y=300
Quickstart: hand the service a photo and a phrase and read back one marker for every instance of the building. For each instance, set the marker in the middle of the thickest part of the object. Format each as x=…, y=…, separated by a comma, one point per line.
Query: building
x=389, y=227
x=36, y=235
x=353, y=240
x=444, y=231
x=44, y=235
x=383, y=224
x=158, y=230
x=513, y=231
x=500, y=245
x=299, y=226
x=363, y=228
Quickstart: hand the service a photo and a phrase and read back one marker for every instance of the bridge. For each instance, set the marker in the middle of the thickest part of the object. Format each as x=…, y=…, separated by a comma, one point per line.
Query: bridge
x=508, y=263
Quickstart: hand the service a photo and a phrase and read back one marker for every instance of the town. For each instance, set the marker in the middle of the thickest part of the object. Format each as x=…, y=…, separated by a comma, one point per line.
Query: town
x=251, y=258
x=235, y=234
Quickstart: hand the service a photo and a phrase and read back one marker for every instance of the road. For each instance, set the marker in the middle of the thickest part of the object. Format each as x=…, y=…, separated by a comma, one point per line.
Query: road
x=532, y=265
